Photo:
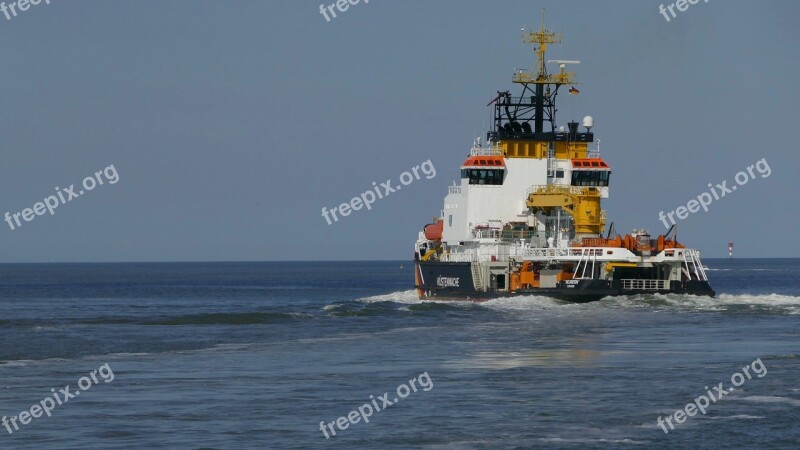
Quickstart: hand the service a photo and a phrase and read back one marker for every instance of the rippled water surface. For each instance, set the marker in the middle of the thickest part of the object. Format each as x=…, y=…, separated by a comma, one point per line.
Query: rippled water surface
x=256, y=355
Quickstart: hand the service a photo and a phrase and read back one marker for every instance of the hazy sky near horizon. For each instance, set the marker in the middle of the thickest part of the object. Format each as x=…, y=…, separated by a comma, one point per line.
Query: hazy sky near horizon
x=232, y=124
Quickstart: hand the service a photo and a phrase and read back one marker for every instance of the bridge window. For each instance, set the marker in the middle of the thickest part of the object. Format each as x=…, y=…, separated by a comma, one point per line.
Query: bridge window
x=590, y=177
x=487, y=176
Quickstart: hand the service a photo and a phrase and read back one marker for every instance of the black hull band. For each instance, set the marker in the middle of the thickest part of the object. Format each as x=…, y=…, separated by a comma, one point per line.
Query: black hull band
x=453, y=281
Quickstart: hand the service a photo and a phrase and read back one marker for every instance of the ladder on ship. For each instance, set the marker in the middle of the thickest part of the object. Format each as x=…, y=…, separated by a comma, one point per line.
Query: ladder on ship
x=551, y=159
x=692, y=264
x=477, y=279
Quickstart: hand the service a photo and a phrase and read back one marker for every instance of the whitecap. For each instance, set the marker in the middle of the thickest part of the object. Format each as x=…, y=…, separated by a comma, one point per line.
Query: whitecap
x=593, y=441
x=410, y=296
x=760, y=300
x=769, y=399
x=736, y=417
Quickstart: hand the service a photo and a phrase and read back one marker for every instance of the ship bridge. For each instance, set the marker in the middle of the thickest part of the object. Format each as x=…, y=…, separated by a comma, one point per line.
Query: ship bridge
x=590, y=172
x=484, y=170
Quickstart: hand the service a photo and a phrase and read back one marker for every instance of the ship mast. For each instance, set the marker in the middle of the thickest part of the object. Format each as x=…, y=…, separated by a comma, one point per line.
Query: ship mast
x=519, y=132
x=536, y=103
x=540, y=78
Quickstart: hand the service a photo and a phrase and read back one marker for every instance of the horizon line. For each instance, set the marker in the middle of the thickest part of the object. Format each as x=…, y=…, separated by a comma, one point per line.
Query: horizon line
x=301, y=261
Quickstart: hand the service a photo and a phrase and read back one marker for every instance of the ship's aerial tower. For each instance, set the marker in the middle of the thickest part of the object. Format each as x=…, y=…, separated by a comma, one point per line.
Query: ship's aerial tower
x=544, y=98
x=524, y=126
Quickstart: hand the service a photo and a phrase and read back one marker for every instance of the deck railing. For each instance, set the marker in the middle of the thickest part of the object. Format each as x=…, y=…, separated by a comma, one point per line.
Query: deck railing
x=649, y=285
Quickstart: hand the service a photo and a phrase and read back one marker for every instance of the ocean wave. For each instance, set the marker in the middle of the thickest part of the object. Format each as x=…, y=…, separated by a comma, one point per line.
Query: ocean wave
x=765, y=299
x=42, y=328
x=413, y=304
x=736, y=417
x=744, y=269
x=216, y=318
x=593, y=441
x=780, y=303
x=231, y=287
x=252, y=318
x=17, y=363
x=769, y=399
x=526, y=302
x=403, y=302
x=126, y=354
x=786, y=356
x=389, y=308
x=496, y=360
x=116, y=356
x=409, y=296
x=222, y=348
x=425, y=306
x=768, y=270
x=28, y=362
x=360, y=309
x=723, y=302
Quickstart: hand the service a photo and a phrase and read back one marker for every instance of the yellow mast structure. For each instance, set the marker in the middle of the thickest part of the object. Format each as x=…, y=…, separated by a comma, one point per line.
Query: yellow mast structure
x=540, y=39
x=582, y=203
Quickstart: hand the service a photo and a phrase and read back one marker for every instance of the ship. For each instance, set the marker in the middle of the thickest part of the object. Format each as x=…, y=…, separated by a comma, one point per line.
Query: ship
x=525, y=218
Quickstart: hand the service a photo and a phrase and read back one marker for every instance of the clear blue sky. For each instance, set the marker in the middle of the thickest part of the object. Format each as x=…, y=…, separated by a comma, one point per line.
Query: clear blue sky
x=231, y=124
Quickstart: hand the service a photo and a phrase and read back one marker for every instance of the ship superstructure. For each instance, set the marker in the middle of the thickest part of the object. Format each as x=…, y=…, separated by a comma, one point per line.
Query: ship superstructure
x=526, y=217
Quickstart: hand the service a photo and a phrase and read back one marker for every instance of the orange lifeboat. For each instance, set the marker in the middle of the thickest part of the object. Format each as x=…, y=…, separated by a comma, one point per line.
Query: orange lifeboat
x=433, y=231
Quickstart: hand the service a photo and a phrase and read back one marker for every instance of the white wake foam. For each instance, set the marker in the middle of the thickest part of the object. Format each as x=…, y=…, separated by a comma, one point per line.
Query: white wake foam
x=409, y=296
x=780, y=303
x=777, y=302
x=520, y=302
x=763, y=300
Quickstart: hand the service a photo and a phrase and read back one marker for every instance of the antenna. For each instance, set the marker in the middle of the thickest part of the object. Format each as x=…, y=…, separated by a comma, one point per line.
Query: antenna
x=539, y=81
